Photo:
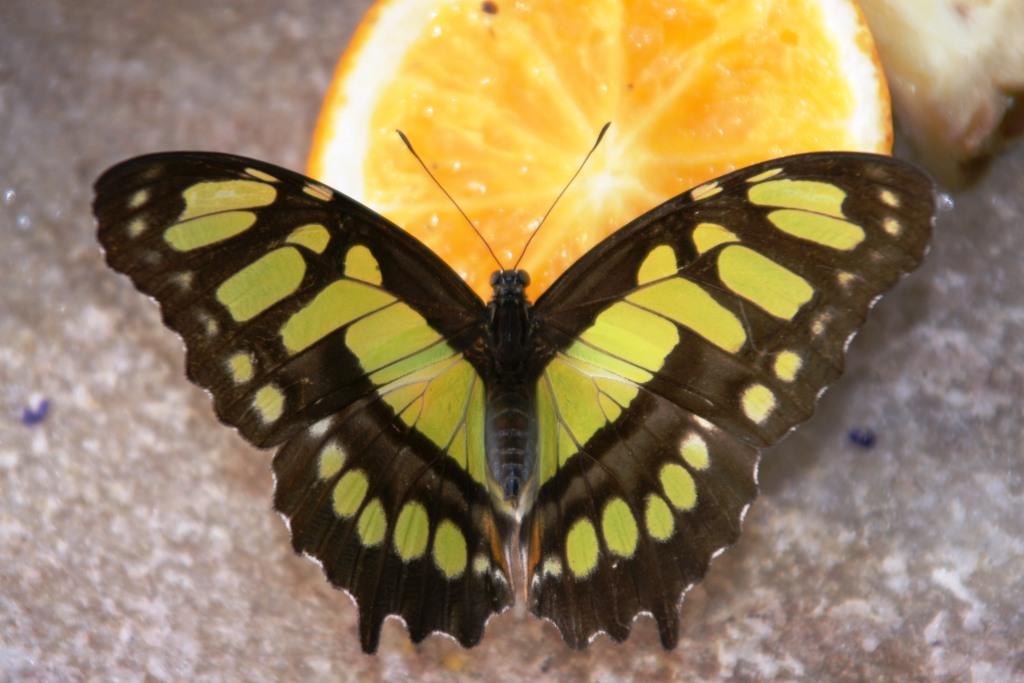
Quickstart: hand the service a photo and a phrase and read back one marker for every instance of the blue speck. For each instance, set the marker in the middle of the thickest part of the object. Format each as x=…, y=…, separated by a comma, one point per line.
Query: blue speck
x=863, y=437
x=35, y=413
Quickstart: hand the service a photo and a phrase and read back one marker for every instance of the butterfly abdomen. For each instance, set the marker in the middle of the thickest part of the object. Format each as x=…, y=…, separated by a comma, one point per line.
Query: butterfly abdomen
x=511, y=437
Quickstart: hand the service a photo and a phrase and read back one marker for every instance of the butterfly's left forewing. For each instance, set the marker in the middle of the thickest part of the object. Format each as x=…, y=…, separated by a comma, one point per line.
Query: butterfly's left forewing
x=675, y=350
x=319, y=327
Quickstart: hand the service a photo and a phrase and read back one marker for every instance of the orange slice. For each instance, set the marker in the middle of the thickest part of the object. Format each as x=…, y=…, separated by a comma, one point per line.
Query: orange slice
x=502, y=99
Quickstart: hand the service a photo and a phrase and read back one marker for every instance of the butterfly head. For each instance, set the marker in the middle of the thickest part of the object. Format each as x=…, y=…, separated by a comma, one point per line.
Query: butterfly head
x=509, y=283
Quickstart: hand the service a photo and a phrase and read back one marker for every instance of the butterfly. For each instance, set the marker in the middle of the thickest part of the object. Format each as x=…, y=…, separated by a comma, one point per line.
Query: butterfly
x=601, y=443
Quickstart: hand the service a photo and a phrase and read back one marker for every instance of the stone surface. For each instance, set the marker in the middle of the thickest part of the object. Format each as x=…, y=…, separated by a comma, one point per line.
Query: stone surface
x=136, y=536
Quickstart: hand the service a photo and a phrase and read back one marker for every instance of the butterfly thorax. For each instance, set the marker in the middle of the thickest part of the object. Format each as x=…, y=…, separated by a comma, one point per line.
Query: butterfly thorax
x=511, y=432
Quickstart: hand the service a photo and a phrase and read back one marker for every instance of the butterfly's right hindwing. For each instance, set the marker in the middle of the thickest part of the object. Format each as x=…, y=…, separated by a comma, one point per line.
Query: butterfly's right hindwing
x=395, y=521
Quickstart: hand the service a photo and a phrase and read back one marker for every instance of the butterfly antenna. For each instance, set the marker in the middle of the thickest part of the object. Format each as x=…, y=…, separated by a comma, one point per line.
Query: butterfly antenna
x=450, y=198
x=604, y=129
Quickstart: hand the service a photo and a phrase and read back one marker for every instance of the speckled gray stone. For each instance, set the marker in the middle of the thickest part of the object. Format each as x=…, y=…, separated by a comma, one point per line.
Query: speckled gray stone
x=137, y=542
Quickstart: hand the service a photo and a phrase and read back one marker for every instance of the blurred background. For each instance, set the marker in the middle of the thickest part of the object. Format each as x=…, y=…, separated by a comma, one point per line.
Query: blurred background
x=137, y=540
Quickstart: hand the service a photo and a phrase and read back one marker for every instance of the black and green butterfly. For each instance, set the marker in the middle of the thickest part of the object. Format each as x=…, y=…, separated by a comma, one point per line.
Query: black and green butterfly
x=612, y=428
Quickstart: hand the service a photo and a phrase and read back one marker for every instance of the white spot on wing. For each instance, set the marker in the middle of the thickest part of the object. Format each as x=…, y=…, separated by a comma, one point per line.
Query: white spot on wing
x=318, y=429
x=317, y=191
x=138, y=199
x=889, y=198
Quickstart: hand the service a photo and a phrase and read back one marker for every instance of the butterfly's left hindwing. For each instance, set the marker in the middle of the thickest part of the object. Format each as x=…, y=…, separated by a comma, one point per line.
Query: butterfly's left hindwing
x=673, y=351
x=319, y=327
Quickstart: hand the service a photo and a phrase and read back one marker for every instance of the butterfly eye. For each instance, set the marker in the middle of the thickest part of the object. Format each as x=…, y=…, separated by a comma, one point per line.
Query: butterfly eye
x=495, y=277
x=523, y=277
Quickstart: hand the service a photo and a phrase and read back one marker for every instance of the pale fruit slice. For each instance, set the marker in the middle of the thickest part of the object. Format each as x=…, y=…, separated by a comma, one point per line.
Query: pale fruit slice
x=503, y=99
x=954, y=66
